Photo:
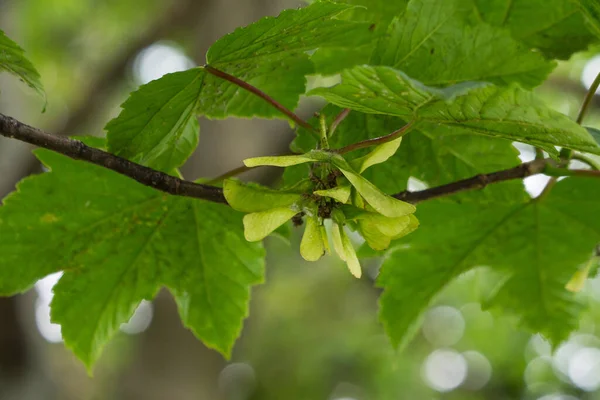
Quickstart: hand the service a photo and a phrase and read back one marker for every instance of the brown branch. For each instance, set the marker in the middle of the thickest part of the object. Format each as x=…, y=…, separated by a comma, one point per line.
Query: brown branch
x=229, y=174
x=589, y=96
x=244, y=85
x=11, y=128
x=338, y=120
x=375, y=141
x=566, y=154
x=477, y=182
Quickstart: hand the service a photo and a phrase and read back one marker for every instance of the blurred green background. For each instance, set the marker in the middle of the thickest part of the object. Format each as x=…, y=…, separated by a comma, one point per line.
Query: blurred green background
x=313, y=331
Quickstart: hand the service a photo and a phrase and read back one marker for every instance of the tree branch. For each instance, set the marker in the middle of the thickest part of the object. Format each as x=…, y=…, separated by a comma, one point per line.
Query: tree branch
x=477, y=182
x=11, y=128
x=376, y=141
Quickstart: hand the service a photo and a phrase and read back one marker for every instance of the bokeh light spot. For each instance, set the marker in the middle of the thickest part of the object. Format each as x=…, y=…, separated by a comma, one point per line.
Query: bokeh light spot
x=444, y=370
x=237, y=381
x=479, y=370
x=443, y=326
x=159, y=59
x=584, y=368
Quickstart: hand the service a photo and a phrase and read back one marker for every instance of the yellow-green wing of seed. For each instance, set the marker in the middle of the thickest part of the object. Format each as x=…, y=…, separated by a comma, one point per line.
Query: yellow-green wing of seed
x=288, y=161
x=338, y=193
x=378, y=155
x=381, y=202
x=254, y=198
x=413, y=224
x=578, y=280
x=378, y=230
x=277, y=161
x=351, y=258
x=311, y=246
x=373, y=236
x=325, y=241
x=336, y=237
x=385, y=225
x=259, y=225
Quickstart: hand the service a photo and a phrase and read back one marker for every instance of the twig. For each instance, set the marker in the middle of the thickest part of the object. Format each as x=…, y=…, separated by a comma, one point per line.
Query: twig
x=234, y=172
x=338, y=120
x=11, y=128
x=477, y=182
x=259, y=93
x=375, y=141
x=565, y=153
x=588, y=99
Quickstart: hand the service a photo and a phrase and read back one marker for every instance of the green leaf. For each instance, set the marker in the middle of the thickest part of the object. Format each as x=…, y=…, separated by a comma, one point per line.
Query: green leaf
x=378, y=13
x=538, y=244
x=118, y=242
x=13, y=60
x=591, y=9
x=271, y=54
x=158, y=126
x=432, y=40
x=509, y=113
x=553, y=26
x=375, y=11
x=595, y=134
